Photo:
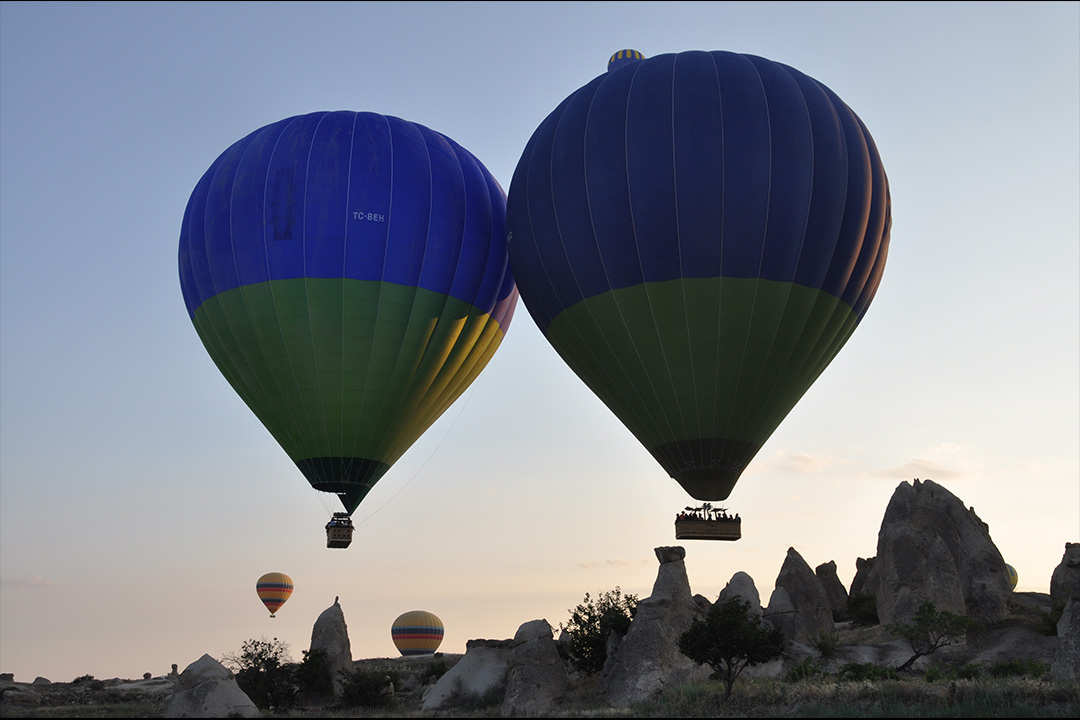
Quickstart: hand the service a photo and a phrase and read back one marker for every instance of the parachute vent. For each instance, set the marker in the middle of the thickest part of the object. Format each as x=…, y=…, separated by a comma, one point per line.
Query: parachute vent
x=623, y=57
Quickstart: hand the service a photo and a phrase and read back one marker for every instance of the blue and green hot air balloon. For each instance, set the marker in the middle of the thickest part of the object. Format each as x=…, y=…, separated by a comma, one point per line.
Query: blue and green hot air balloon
x=697, y=235
x=348, y=274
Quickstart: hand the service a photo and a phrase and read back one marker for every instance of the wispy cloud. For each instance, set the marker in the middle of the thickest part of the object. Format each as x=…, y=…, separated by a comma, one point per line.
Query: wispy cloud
x=35, y=582
x=614, y=562
x=923, y=469
x=945, y=461
x=799, y=462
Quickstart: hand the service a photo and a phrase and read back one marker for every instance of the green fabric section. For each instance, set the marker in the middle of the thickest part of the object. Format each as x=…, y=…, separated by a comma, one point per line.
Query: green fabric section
x=702, y=358
x=346, y=368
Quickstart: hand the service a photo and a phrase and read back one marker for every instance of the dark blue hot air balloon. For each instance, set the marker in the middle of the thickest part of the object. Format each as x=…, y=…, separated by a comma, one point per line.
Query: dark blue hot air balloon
x=697, y=235
x=348, y=274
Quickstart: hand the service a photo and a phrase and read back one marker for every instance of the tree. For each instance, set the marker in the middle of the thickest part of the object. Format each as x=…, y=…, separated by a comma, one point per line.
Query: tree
x=265, y=673
x=590, y=625
x=932, y=629
x=729, y=640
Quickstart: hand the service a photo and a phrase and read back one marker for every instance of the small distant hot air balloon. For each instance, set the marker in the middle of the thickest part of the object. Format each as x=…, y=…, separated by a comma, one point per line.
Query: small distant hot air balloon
x=1013, y=577
x=417, y=633
x=274, y=589
x=348, y=274
x=697, y=235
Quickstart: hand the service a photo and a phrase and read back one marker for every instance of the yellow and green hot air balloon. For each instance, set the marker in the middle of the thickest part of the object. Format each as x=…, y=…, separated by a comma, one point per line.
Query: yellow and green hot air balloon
x=1013, y=577
x=274, y=589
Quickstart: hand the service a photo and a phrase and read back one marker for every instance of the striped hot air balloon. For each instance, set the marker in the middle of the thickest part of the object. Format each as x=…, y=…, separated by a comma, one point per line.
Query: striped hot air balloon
x=348, y=274
x=697, y=235
x=417, y=632
x=1014, y=578
x=274, y=589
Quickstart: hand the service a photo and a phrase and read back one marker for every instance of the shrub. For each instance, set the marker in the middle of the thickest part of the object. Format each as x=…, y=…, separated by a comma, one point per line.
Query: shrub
x=861, y=672
x=1019, y=668
x=313, y=675
x=462, y=700
x=827, y=645
x=805, y=670
x=729, y=640
x=590, y=625
x=862, y=609
x=366, y=688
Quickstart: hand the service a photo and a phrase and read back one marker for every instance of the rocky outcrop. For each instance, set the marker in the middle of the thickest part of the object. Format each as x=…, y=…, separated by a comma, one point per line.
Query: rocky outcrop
x=862, y=583
x=331, y=636
x=1066, y=663
x=1065, y=582
x=536, y=676
x=648, y=661
x=480, y=671
x=742, y=586
x=799, y=606
x=933, y=549
x=834, y=589
x=206, y=689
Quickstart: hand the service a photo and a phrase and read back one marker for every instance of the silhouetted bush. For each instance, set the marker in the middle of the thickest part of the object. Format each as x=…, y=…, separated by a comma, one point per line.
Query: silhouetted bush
x=590, y=625
x=729, y=640
x=862, y=609
x=265, y=674
x=807, y=669
x=860, y=672
x=365, y=688
x=313, y=675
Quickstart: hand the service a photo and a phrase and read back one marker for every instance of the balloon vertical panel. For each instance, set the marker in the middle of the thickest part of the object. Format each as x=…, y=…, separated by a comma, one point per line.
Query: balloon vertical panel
x=348, y=274
x=698, y=234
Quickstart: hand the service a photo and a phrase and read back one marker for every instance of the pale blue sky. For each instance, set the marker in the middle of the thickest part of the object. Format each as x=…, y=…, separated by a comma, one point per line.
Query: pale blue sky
x=140, y=499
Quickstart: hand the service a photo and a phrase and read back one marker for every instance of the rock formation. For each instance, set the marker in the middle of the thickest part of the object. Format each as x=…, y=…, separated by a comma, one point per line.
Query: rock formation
x=482, y=669
x=648, y=660
x=1065, y=582
x=1066, y=663
x=742, y=586
x=331, y=635
x=834, y=589
x=799, y=605
x=862, y=584
x=535, y=674
x=206, y=689
x=932, y=548
x=780, y=612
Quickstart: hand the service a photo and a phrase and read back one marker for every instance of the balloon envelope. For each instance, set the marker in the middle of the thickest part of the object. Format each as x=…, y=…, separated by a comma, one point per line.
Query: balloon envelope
x=697, y=235
x=417, y=632
x=274, y=589
x=348, y=274
x=1013, y=577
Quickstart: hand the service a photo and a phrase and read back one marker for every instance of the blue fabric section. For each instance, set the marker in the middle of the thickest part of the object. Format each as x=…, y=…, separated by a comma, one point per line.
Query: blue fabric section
x=652, y=174
x=745, y=124
x=608, y=186
x=345, y=194
x=369, y=201
x=700, y=164
x=791, y=174
x=696, y=116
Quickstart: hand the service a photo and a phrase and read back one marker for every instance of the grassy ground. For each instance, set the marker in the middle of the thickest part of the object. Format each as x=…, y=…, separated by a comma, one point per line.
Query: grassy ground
x=822, y=697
